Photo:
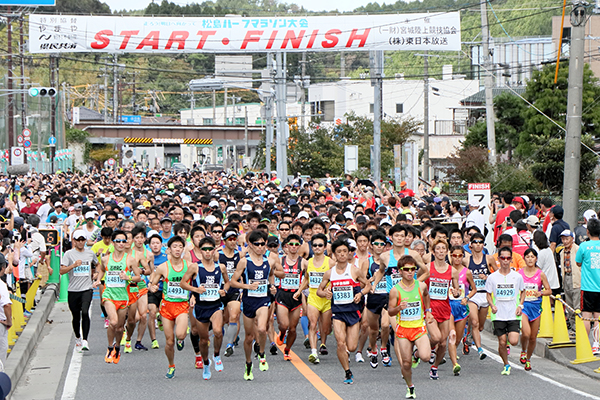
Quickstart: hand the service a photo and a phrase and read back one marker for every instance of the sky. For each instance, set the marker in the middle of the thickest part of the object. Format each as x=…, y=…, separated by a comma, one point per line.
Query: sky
x=312, y=5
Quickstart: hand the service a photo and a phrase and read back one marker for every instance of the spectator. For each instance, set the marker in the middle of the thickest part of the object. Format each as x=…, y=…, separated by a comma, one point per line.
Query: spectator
x=545, y=206
x=58, y=213
x=546, y=260
x=581, y=231
x=501, y=215
x=588, y=258
x=533, y=223
x=38, y=243
x=558, y=225
x=522, y=238
x=5, y=312
x=475, y=218
x=517, y=262
x=571, y=273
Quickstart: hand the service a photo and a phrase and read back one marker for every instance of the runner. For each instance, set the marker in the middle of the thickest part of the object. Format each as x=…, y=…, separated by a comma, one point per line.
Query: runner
x=318, y=308
x=290, y=271
x=115, y=297
x=346, y=295
x=79, y=263
x=258, y=280
x=230, y=257
x=409, y=303
x=209, y=284
x=174, y=305
x=193, y=257
x=155, y=298
x=534, y=280
x=505, y=294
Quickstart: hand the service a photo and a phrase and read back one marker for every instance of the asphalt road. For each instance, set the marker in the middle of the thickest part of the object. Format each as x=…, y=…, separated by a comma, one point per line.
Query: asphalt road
x=141, y=375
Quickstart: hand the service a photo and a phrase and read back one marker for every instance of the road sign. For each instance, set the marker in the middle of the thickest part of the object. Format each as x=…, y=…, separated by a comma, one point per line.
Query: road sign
x=17, y=157
x=52, y=141
x=111, y=161
x=26, y=133
x=20, y=139
x=27, y=143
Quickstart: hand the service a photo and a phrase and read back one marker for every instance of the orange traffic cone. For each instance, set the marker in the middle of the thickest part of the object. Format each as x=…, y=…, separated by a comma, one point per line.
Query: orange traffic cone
x=546, y=324
x=561, y=333
x=583, y=347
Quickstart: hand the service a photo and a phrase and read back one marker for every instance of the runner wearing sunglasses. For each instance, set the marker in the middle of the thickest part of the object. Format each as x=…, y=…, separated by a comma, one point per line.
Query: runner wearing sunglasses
x=230, y=257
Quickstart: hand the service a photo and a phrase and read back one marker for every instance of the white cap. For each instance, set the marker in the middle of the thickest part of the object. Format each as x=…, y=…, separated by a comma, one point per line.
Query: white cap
x=349, y=215
x=590, y=214
x=90, y=214
x=303, y=214
x=335, y=227
x=79, y=234
x=58, y=204
x=210, y=219
x=213, y=203
x=246, y=207
x=385, y=221
x=474, y=203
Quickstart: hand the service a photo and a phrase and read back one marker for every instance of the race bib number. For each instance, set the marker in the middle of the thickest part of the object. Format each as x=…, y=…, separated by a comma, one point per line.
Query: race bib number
x=505, y=292
x=396, y=278
x=479, y=284
x=531, y=290
x=175, y=291
x=343, y=295
x=314, y=279
x=211, y=293
x=412, y=312
x=112, y=280
x=290, y=282
x=230, y=269
x=381, y=287
x=261, y=291
x=438, y=290
x=83, y=270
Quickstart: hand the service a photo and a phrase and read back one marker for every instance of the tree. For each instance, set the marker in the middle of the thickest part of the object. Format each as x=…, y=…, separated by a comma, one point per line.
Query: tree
x=100, y=155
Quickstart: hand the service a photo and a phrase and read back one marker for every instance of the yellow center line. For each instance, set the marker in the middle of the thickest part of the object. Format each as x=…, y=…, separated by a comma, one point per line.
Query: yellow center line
x=311, y=377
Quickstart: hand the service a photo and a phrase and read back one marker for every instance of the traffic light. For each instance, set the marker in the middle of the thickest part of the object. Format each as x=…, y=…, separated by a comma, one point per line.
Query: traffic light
x=42, y=92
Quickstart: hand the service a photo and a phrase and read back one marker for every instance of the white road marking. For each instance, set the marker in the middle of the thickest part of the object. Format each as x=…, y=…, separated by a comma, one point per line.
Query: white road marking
x=72, y=379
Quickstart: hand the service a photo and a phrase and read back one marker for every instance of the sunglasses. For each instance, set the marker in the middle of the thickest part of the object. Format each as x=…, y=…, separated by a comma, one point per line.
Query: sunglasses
x=231, y=238
x=111, y=219
x=457, y=255
x=378, y=243
x=273, y=246
x=207, y=248
x=79, y=240
x=293, y=244
x=258, y=244
x=409, y=269
x=284, y=229
x=477, y=242
x=505, y=258
x=120, y=241
x=318, y=245
x=217, y=232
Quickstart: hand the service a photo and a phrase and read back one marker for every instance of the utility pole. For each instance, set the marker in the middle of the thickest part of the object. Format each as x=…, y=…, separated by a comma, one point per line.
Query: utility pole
x=9, y=86
x=23, y=96
x=115, y=90
x=376, y=64
x=246, y=132
x=426, y=116
x=225, y=108
x=282, y=126
x=105, y=75
x=489, y=84
x=193, y=101
x=214, y=99
x=269, y=117
x=134, y=110
x=303, y=109
x=53, y=110
x=574, y=111
x=342, y=64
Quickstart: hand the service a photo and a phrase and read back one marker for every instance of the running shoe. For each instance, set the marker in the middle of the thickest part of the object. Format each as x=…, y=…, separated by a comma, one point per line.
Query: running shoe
x=359, y=358
x=199, y=364
x=432, y=357
x=286, y=356
x=456, y=370
x=159, y=324
x=180, y=344
x=78, y=345
x=410, y=393
x=248, y=375
x=155, y=344
x=273, y=349
x=256, y=348
x=323, y=350
x=386, y=359
x=140, y=346
x=206, y=372
x=527, y=365
x=218, y=363
x=349, y=378
x=596, y=349
x=374, y=363
x=237, y=342
x=433, y=374
x=108, y=356
x=313, y=358
x=469, y=338
x=106, y=323
x=508, y=350
x=278, y=340
x=229, y=351
x=306, y=343
x=415, y=360
x=466, y=348
x=482, y=355
x=187, y=332
x=444, y=360
x=506, y=370
x=523, y=358
x=263, y=364
x=116, y=356
x=124, y=339
x=128, y=346
x=170, y=373
x=84, y=345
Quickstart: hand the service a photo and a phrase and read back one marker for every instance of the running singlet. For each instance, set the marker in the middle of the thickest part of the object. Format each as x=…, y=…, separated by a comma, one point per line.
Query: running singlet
x=476, y=270
x=463, y=285
x=158, y=259
x=257, y=274
x=412, y=316
x=193, y=257
x=532, y=285
x=212, y=282
x=381, y=287
x=231, y=265
x=116, y=288
x=291, y=281
x=344, y=288
x=141, y=284
x=439, y=286
x=171, y=290
x=315, y=275
x=392, y=273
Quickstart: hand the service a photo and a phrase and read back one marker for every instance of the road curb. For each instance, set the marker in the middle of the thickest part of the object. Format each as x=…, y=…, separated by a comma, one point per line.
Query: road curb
x=555, y=355
x=19, y=356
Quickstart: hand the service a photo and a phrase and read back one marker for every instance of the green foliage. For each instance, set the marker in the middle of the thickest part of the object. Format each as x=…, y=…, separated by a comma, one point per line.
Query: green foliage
x=76, y=7
x=76, y=136
x=100, y=154
x=514, y=178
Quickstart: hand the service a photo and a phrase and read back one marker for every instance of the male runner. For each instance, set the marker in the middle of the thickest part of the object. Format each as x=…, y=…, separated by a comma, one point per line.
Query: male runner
x=159, y=256
x=230, y=257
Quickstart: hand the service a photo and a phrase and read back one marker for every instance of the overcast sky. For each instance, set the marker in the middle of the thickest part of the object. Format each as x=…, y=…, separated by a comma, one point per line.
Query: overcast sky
x=313, y=5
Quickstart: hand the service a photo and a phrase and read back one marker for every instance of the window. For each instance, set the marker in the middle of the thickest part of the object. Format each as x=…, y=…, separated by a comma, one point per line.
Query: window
x=399, y=108
x=207, y=121
x=240, y=121
x=371, y=108
x=324, y=109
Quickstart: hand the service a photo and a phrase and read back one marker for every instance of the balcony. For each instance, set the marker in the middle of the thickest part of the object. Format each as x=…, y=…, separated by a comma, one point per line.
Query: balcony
x=450, y=127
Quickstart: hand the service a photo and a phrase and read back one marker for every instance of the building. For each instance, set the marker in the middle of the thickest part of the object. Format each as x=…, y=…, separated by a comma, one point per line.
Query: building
x=592, y=40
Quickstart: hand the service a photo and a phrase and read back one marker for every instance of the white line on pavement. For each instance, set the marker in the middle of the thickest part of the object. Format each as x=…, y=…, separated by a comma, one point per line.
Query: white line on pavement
x=72, y=379
x=498, y=359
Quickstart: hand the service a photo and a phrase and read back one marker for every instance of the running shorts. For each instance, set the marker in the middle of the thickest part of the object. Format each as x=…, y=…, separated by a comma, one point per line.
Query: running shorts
x=410, y=334
x=249, y=308
x=286, y=299
x=480, y=299
x=348, y=317
x=459, y=312
x=119, y=305
x=204, y=314
x=171, y=310
x=533, y=309
x=590, y=301
x=377, y=302
x=320, y=303
x=501, y=328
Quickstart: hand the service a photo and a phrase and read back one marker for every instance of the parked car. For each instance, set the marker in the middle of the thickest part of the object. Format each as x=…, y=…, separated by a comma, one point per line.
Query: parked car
x=179, y=167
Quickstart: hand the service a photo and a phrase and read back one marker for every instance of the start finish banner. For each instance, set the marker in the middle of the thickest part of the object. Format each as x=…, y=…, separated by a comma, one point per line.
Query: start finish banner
x=65, y=34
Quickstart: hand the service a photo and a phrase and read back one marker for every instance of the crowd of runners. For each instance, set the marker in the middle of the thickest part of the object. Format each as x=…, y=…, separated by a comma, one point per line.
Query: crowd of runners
x=405, y=276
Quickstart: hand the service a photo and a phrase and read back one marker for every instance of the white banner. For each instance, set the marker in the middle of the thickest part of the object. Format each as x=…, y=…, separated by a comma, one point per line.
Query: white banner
x=71, y=33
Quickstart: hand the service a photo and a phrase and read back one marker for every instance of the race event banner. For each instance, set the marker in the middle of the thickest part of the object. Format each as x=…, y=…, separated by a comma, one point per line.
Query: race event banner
x=73, y=33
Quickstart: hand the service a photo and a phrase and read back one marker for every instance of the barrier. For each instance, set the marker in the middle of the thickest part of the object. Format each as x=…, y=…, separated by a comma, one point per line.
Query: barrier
x=64, y=288
x=55, y=265
x=30, y=296
x=583, y=347
x=17, y=310
x=560, y=338
x=546, y=324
